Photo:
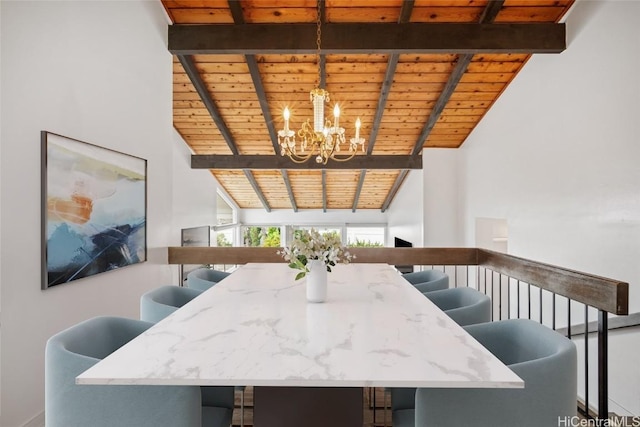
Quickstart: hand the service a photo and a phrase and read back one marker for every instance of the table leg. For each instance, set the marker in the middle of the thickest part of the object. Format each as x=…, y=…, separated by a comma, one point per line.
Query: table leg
x=308, y=406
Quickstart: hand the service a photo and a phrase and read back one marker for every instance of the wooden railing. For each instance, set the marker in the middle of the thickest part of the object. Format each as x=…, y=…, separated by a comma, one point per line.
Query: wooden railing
x=605, y=295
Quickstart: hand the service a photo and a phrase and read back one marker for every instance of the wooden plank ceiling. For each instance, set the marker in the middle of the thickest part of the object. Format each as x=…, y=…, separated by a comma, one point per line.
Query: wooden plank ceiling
x=231, y=103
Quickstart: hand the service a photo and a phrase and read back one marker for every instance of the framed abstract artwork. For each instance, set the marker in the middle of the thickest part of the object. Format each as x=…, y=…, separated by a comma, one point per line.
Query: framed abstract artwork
x=94, y=210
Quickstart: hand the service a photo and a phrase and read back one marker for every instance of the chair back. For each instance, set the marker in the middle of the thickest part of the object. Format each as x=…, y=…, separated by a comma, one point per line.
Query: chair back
x=544, y=359
x=204, y=278
x=74, y=350
x=466, y=306
x=428, y=280
x=158, y=303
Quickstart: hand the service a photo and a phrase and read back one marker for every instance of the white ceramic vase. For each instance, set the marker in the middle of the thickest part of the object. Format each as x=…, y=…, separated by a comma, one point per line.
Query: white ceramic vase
x=316, y=281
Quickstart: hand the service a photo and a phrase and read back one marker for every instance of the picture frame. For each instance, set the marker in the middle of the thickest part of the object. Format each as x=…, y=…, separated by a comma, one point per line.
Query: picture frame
x=94, y=209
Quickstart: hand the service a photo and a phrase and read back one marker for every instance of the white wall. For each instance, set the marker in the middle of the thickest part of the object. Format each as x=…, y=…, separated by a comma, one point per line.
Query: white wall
x=195, y=195
x=441, y=217
x=557, y=156
x=99, y=72
x=406, y=211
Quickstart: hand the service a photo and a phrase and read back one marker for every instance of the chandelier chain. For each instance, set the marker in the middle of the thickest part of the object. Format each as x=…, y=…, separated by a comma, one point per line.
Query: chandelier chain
x=322, y=138
x=318, y=40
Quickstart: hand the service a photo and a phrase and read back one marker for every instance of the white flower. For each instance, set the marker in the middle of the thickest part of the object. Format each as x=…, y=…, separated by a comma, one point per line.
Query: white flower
x=308, y=245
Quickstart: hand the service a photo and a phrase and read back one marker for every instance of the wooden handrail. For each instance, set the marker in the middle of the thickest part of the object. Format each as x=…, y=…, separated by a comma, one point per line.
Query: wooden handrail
x=222, y=255
x=602, y=293
x=394, y=256
x=599, y=292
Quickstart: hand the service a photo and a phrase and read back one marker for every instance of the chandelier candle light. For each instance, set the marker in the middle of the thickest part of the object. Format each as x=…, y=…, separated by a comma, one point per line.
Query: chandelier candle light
x=324, y=139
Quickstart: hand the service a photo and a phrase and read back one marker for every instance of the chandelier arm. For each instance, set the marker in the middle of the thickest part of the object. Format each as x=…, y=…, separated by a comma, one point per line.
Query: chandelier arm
x=343, y=159
x=297, y=158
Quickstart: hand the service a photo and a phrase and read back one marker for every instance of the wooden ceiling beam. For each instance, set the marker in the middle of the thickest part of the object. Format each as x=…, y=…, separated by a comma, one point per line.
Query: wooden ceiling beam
x=394, y=189
x=235, y=7
x=443, y=99
x=254, y=71
x=287, y=183
x=217, y=161
x=489, y=14
x=392, y=64
x=368, y=38
x=254, y=184
x=205, y=96
x=356, y=198
x=405, y=12
x=262, y=100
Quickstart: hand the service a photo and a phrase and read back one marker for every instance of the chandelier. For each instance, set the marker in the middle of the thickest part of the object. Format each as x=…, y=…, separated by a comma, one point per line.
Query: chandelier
x=323, y=139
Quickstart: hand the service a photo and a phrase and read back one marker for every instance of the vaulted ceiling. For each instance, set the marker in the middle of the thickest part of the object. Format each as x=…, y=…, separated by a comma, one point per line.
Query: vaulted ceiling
x=419, y=74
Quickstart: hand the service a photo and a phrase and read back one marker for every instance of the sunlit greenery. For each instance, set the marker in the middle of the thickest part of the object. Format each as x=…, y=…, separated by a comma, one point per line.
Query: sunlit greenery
x=221, y=239
x=364, y=244
x=268, y=237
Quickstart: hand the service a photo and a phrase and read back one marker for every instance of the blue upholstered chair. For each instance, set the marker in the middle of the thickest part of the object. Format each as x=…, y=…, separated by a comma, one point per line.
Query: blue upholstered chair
x=204, y=278
x=428, y=280
x=543, y=358
x=74, y=350
x=466, y=306
x=158, y=303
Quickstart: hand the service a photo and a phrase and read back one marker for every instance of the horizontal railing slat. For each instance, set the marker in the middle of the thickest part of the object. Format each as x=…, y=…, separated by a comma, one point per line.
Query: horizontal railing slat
x=222, y=255
x=393, y=256
x=605, y=294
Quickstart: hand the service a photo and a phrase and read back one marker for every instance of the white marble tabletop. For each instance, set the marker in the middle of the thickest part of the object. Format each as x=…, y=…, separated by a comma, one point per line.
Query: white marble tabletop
x=256, y=328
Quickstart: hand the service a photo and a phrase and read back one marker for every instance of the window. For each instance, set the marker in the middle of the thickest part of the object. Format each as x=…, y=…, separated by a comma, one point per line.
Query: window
x=225, y=237
x=366, y=236
x=225, y=212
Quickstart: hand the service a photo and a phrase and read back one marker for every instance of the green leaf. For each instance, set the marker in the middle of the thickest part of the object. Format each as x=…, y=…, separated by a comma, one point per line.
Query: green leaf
x=300, y=275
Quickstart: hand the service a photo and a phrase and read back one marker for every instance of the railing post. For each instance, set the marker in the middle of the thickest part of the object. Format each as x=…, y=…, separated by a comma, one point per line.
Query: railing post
x=603, y=363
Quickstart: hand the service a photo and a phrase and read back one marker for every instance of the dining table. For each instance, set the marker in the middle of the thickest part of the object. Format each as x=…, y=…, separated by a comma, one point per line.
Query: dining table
x=308, y=362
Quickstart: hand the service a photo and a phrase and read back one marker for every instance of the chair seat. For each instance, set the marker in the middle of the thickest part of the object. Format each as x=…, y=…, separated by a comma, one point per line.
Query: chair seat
x=403, y=418
x=215, y=416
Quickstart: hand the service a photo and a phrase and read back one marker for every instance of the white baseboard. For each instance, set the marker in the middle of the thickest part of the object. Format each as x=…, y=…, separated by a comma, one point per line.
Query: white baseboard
x=37, y=421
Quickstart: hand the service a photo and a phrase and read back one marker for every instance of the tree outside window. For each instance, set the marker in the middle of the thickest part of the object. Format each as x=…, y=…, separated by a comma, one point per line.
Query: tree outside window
x=257, y=236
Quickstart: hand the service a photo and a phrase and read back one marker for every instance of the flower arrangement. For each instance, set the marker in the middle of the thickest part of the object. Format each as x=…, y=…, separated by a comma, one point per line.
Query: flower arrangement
x=311, y=245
